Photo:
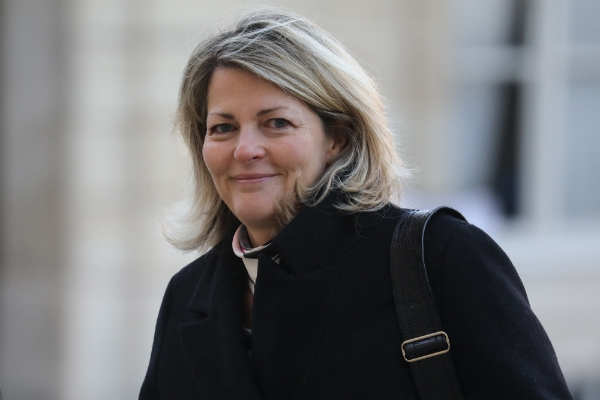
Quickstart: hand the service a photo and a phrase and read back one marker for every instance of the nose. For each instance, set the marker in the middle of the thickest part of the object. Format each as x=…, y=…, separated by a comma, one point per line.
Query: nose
x=249, y=146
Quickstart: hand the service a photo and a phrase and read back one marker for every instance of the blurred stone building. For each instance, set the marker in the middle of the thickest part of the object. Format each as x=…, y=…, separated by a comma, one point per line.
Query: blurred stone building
x=496, y=104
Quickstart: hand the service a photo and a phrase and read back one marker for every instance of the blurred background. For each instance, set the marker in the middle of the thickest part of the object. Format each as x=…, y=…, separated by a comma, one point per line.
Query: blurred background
x=496, y=104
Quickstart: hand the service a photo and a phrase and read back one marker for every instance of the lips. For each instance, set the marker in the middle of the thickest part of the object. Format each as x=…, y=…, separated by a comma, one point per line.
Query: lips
x=252, y=178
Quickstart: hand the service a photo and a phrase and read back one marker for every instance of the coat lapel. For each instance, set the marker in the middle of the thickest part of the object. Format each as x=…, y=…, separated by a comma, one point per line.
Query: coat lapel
x=293, y=298
x=215, y=344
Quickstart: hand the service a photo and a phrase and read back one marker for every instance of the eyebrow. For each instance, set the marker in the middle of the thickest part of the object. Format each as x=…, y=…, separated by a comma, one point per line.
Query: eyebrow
x=268, y=110
x=258, y=114
x=224, y=115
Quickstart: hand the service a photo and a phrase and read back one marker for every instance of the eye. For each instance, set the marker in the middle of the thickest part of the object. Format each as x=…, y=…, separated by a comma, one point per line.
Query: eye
x=278, y=123
x=222, y=128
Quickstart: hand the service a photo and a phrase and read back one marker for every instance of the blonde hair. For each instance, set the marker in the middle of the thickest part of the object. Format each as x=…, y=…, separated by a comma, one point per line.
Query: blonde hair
x=308, y=63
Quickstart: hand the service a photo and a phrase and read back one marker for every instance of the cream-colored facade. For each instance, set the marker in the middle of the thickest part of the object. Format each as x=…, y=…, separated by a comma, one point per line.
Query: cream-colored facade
x=90, y=163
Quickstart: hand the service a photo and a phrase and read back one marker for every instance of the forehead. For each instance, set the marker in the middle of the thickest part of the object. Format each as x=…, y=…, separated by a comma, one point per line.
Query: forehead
x=235, y=87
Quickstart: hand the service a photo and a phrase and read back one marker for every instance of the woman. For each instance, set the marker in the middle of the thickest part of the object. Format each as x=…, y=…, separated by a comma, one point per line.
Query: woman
x=294, y=170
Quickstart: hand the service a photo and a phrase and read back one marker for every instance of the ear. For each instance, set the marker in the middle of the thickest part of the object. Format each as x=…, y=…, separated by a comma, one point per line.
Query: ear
x=337, y=136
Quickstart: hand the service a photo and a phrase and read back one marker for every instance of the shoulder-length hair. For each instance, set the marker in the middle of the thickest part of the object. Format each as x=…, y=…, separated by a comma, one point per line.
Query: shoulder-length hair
x=310, y=64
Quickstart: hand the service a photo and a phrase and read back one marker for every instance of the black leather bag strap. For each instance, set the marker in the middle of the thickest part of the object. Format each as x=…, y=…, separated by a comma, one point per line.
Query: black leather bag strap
x=426, y=346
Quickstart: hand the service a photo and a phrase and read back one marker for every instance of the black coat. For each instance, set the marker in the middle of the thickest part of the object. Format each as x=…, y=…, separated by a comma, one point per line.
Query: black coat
x=324, y=323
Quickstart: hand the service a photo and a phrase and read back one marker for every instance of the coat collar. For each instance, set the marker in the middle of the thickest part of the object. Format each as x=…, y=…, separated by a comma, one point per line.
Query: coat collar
x=320, y=229
x=220, y=263
x=215, y=344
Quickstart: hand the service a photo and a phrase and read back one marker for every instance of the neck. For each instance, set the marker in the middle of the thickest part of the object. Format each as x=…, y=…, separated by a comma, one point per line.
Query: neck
x=260, y=236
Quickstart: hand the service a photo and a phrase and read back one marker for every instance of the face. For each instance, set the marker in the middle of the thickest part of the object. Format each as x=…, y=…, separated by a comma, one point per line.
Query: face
x=259, y=140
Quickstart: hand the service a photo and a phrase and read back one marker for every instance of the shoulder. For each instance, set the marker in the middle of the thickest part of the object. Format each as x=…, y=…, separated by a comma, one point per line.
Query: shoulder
x=444, y=230
x=485, y=311
x=445, y=236
x=459, y=253
x=186, y=279
x=382, y=221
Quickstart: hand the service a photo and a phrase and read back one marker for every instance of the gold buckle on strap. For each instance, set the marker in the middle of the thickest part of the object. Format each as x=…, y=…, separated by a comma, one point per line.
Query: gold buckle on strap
x=423, y=338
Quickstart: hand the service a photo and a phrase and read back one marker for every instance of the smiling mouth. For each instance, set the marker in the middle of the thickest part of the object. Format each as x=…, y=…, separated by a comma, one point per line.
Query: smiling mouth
x=252, y=178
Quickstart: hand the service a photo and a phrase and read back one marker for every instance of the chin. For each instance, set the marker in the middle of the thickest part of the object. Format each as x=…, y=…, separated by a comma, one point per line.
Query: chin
x=256, y=214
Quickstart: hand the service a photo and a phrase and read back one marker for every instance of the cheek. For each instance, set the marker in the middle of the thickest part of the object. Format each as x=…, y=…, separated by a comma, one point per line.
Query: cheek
x=308, y=157
x=212, y=158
